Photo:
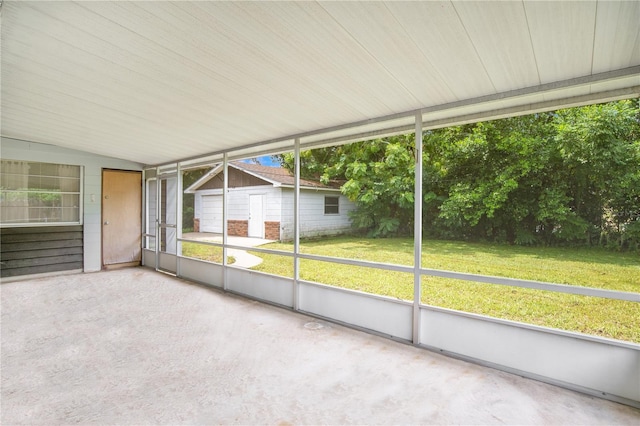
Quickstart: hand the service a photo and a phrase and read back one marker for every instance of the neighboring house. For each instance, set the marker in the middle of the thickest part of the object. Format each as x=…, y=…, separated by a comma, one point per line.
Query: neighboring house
x=260, y=204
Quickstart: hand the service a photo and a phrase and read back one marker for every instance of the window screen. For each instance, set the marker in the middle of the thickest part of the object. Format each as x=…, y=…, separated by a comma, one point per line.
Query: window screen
x=331, y=205
x=39, y=193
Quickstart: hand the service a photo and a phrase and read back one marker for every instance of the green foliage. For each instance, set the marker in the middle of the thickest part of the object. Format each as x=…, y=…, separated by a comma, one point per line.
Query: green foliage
x=35, y=197
x=568, y=177
x=629, y=234
x=189, y=177
x=377, y=175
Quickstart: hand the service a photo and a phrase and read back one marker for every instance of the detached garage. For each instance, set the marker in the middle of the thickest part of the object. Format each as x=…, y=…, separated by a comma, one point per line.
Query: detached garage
x=261, y=204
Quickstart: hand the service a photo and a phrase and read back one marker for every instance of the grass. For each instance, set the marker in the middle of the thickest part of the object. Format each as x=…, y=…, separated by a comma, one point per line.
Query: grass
x=583, y=267
x=204, y=252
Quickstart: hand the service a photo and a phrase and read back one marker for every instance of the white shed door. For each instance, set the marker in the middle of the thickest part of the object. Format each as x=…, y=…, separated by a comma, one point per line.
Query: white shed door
x=211, y=220
x=256, y=219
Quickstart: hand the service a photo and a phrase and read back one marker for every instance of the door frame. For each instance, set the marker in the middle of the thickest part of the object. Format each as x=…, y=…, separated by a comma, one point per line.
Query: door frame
x=249, y=221
x=102, y=219
x=164, y=230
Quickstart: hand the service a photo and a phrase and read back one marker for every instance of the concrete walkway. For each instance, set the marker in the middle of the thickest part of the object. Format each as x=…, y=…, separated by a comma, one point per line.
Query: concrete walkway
x=133, y=346
x=242, y=258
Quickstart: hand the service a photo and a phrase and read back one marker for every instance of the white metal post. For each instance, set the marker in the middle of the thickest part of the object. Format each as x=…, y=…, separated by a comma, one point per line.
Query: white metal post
x=144, y=217
x=225, y=216
x=158, y=215
x=296, y=226
x=417, y=238
x=178, y=217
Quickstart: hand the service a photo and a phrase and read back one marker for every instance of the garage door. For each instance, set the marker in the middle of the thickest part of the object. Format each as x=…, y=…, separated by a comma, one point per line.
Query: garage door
x=211, y=219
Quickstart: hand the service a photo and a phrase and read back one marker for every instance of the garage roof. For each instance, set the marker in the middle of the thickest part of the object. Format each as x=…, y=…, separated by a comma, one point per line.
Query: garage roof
x=275, y=175
x=155, y=82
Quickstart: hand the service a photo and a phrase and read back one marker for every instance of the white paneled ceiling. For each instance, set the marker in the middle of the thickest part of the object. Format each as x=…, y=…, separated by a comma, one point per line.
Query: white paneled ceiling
x=155, y=82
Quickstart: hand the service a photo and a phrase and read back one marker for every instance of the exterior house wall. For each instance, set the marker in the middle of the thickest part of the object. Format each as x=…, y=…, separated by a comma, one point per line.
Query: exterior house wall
x=41, y=249
x=278, y=208
x=272, y=230
x=92, y=186
x=287, y=225
x=238, y=228
x=313, y=220
x=197, y=202
x=238, y=203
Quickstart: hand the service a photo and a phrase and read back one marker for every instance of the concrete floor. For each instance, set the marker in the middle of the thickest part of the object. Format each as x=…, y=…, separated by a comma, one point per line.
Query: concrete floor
x=133, y=346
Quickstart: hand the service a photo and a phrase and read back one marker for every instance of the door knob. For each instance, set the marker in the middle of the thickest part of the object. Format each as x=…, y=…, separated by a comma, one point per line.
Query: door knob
x=106, y=222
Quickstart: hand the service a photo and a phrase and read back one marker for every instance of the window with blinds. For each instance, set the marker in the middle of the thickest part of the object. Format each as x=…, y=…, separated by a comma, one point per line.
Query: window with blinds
x=34, y=193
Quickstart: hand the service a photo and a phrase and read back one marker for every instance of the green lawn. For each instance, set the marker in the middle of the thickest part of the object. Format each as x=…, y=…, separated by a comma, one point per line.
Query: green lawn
x=204, y=252
x=592, y=268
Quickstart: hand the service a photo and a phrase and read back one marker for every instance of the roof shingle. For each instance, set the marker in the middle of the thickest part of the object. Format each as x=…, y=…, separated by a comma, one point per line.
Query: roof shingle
x=280, y=175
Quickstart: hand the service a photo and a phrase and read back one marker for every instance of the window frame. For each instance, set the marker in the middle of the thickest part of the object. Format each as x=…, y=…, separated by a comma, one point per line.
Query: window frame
x=79, y=194
x=336, y=205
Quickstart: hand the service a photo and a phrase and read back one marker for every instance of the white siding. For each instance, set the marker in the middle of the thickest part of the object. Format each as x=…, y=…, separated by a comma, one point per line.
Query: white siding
x=238, y=203
x=313, y=221
x=286, y=224
x=92, y=191
x=273, y=205
x=279, y=208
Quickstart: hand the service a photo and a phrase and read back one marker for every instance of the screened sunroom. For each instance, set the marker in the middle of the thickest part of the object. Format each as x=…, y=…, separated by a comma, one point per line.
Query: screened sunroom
x=111, y=111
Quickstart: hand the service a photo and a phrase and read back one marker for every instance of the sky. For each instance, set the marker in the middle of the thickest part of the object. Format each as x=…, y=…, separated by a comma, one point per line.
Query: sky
x=265, y=160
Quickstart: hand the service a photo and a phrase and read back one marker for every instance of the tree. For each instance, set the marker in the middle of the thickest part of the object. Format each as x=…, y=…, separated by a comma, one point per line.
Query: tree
x=565, y=177
x=378, y=175
x=600, y=148
x=492, y=175
x=561, y=177
x=189, y=177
